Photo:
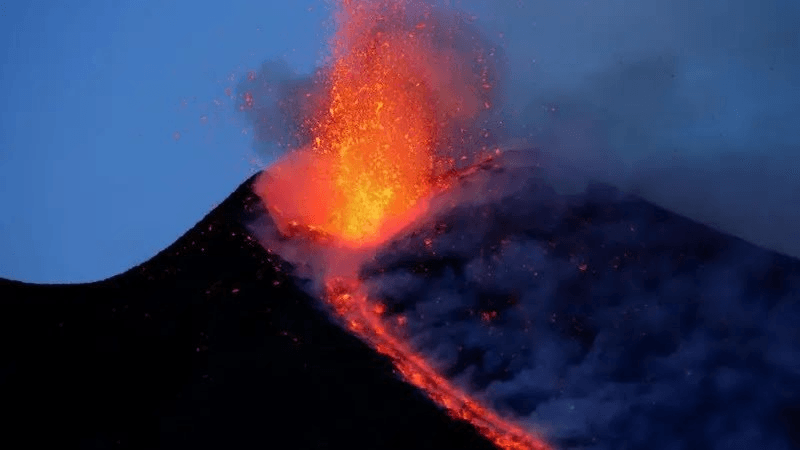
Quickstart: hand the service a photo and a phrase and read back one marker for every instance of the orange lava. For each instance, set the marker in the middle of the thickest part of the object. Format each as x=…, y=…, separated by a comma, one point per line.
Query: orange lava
x=392, y=87
x=364, y=318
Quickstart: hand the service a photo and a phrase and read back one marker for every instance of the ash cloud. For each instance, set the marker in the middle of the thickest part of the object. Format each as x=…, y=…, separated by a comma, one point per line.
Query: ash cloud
x=693, y=105
x=599, y=319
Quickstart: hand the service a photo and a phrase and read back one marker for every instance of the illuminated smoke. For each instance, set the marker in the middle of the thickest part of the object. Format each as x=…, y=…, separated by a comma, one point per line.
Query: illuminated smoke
x=389, y=121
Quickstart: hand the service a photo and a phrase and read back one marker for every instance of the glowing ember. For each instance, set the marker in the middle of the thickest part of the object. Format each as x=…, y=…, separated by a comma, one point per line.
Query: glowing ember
x=378, y=131
x=363, y=318
x=394, y=86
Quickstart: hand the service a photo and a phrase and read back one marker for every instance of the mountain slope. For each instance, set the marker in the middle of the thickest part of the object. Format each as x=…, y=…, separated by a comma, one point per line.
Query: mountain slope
x=206, y=345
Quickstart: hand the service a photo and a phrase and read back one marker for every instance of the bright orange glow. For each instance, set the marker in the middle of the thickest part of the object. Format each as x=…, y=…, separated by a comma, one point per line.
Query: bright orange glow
x=393, y=85
x=363, y=318
x=371, y=158
x=391, y=89
x=379, y=132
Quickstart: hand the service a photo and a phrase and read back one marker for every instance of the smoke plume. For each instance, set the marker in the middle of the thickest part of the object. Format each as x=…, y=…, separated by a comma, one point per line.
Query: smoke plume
x=602, y=319
x=693, y=105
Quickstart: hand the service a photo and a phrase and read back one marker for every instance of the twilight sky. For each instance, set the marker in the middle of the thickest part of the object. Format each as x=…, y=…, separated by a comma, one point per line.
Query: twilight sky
x=691, y=103
x=92, y=180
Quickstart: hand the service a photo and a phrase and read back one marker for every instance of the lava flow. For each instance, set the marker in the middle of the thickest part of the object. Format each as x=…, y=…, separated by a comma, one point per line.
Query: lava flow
x=364, y=318
x=395, y=87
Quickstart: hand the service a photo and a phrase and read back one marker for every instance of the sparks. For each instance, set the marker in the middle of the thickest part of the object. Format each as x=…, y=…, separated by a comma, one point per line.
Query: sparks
x=372, y=147
x=392, y=87
x=363, y=318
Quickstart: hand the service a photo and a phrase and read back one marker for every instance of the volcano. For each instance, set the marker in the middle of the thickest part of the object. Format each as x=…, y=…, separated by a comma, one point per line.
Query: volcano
x=207, y=345
x=597, y=319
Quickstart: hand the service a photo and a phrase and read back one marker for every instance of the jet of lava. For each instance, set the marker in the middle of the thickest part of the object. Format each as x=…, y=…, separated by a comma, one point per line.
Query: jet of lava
x=396, y=86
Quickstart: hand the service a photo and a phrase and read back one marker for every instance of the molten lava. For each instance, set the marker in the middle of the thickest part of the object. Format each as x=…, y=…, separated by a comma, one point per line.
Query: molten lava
x=364, y=318
x=378, y=132
x=393, y=87
x=391, y=90
x=372, y=152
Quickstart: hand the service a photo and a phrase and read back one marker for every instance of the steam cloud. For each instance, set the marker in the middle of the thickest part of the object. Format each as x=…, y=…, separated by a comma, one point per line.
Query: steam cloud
x=577, y=308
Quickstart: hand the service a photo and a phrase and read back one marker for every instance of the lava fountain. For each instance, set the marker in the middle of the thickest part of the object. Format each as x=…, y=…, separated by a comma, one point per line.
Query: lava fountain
x=381, y=142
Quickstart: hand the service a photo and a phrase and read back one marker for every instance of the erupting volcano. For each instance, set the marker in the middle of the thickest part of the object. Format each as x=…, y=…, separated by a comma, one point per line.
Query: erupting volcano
x=396, y=86
x=382, y=140
x=453, y=249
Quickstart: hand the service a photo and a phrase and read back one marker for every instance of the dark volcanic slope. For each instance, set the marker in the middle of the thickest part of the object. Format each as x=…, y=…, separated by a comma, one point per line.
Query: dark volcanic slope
x=610, y=322
x=204, y=346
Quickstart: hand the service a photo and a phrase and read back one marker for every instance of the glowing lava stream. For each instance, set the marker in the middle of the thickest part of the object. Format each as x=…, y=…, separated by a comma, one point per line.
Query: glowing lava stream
x=394, y=86
x=363, y=318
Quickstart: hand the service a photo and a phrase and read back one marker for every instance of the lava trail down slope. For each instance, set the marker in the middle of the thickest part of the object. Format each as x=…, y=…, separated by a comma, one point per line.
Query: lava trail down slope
x=597, y=319
x=588, y=320
x=207, y=345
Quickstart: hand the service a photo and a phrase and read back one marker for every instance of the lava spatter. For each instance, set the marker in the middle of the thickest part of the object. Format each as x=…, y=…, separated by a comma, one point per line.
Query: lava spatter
x=395, y=84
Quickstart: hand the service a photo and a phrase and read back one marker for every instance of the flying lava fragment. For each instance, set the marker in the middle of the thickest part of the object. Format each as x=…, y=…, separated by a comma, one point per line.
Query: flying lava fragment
x=393, y=90
x=394, y=87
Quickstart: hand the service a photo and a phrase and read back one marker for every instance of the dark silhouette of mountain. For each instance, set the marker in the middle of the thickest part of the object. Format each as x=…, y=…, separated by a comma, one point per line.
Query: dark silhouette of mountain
x=206, y=345
x=636, y=328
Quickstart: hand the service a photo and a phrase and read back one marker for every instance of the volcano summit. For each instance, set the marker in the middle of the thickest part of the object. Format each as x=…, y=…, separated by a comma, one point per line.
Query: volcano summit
x=593, y=321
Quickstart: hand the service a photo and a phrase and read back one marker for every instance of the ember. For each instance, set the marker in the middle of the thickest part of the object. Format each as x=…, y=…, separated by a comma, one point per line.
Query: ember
x=363, y=318
x=394, y=88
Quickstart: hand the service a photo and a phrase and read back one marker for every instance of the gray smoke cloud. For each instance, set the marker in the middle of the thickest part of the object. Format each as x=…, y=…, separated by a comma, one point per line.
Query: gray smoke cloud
x=692, y=104
x=599, y=319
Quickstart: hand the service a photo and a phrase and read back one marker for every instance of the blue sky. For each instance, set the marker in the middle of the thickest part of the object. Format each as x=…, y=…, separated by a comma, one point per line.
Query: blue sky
x=92, y=179
x=693, y=104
